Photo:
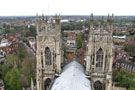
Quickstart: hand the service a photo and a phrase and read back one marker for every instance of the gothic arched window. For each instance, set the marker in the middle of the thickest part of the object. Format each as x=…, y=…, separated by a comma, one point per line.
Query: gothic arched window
x=98, y=85
x=47, y=84
x=99, y=58
x=93, y=58
x=48, y=56
x=42, y=59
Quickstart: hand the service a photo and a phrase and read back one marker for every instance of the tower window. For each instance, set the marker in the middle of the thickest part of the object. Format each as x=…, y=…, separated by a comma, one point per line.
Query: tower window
x=93, y=58
x=48, y=56
x=42, y=59
x=47, y=84
x=99, y=58
x=98, y=85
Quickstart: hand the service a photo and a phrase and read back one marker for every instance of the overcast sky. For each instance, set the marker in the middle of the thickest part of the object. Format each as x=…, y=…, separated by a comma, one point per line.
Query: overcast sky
x=66, y=7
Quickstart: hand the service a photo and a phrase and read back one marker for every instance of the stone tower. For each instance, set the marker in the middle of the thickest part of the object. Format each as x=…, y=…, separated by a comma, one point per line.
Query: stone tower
x=99, y=54
x=48, y=52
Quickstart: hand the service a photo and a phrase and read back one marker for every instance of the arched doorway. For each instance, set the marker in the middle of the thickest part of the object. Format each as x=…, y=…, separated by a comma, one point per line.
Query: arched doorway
x=47, y=84
x=98, y=85
x=48, y=56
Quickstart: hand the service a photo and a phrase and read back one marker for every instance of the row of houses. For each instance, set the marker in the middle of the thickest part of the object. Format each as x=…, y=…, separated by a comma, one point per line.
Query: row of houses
x=122, y=59
x=121, y=54
x=8, y=45
x=126, y=65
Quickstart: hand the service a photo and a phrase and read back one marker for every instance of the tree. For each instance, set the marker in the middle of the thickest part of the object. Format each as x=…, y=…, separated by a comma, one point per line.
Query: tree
x=22, y=52
x=115, y=75
x=18, y=70
x=12, y=80
x=134, y=36
x=31, y=31
x=24, y=81
x=12, y=61
x=29, y=66
x=79, y=43
x=4, y=69
x=125, y=79
x=131, y=88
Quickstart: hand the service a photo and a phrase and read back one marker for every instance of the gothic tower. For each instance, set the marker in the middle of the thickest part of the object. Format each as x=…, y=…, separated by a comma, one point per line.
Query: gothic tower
x=48, y=52
x=99, y=54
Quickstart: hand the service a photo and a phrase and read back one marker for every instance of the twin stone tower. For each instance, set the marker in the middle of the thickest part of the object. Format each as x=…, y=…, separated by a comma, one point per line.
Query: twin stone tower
x=49, y=54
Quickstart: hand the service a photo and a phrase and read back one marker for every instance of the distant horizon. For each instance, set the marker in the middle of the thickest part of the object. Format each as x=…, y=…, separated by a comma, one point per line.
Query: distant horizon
x=60, y=15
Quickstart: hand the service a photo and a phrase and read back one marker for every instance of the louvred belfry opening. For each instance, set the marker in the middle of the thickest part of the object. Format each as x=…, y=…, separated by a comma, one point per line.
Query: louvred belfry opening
x=99, y=59
x=48, y=56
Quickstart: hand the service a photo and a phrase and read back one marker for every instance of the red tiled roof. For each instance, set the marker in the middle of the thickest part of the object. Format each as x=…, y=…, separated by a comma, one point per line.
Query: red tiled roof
x=12, y=38
x=71, y=35
x=114, y=60
x=70, y=56
x=118, y=51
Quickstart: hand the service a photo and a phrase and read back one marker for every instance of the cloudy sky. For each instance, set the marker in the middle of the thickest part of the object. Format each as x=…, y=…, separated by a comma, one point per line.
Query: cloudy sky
x=66, y=7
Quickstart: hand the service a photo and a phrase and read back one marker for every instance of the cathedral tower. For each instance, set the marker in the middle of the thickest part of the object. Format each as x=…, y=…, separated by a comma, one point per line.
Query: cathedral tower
x=48, y=52
x=99, y=54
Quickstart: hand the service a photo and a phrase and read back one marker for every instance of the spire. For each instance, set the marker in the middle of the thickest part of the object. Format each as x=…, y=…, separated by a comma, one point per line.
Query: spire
x=40, y=24
x=59, y=16
x=102, y=25
x=102, y=20
x=91, y=17
x=57, y=19
x=108, y=23
x=57, y=23
x=46, y=24
x=51, y=22
x=110, y=20
x=32, y=84
x=111, y=24
x=55, y=15
x=42, y=17
x=112, y=16
x=108, y=15
x=91, y=23
x=99, y=22
x=36, y=17
x=46, y=20
x=37, y=23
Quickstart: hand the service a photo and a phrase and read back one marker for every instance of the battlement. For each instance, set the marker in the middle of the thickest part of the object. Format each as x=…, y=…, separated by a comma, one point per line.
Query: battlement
x=101, y=29
x=48, y=26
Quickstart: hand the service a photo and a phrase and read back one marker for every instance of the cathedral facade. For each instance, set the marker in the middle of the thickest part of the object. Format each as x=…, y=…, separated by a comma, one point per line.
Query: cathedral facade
x=49, y=53
x=99, y=54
